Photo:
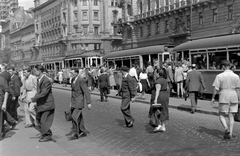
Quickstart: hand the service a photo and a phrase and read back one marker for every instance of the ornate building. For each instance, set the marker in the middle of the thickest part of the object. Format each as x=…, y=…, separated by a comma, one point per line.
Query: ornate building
x=7, y=7
x=64, y=27
x=152, y=22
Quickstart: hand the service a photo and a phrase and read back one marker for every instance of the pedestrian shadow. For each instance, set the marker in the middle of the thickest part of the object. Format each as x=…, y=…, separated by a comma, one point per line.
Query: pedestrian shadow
x=8, y=134
x=148, y=128
x=20, y=118
x=120, y=122
x=214, y=132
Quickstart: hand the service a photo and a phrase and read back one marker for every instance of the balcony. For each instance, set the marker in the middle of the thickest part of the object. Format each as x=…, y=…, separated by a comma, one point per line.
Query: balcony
x=116, y=37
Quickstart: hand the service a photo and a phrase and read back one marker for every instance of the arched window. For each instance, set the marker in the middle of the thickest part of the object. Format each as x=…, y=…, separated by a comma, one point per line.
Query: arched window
x=141, y=7
x=129, y=10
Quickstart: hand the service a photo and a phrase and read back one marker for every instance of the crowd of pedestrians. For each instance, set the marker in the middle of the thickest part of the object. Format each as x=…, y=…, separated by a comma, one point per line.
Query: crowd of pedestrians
x=33, y=87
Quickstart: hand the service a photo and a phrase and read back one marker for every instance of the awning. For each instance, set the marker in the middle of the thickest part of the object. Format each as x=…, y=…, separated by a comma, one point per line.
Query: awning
x=138, y=51
x=52, y=60
x=36, y=62
x=228, y=40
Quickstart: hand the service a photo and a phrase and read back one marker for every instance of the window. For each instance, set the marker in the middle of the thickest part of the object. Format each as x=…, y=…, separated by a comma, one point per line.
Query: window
x=129, y=33
x=215, y=59
x=149, y=30
x=200, y=59
x=157, y=28
x=95, y=30
x=75, y=16
x=230, y=12
x=200, y=18
x=141, y=7
x=157, y=4
x=85, y=30
x=112, y=3
x=129, y=10
x=166, y=2
x=215, y=15
x=188, y=21
x=95, y=3
x=115, y=30
x=95, y=16
x=234, y=58
x=84, y=2
x=166, y=26
x=75, y=3
x=141, y=31
x=149, y=5
x=85, y=17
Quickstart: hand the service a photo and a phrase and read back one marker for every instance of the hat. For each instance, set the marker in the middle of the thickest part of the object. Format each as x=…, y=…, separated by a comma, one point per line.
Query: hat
x=124, y=68
x=193, y=65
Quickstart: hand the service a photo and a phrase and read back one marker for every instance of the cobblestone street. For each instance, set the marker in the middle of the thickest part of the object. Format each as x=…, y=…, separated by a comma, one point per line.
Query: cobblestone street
x=187, y=134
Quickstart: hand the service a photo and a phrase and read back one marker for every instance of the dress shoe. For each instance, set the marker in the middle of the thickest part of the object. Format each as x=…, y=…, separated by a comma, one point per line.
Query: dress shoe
x=130, y=124
x=192, y=111
x=226, y=135
x=45, y=139
x=82, y=134
x=73, y=137
x=29, y=126
x=14, y=125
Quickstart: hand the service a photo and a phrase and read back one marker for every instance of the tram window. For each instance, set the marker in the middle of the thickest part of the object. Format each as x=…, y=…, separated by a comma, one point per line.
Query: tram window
x=126, y=63
x=79, y=63
x=111, y=63
x=135, y=61
x=234, y=58
x=94, y=63
x=215, y=60
x=74, y=63
x=200, y=60
x=98, y=61
x=119, y=63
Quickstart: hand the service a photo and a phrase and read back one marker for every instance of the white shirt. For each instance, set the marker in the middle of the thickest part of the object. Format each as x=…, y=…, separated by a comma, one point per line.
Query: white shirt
x=133, y=73
x=143, y=76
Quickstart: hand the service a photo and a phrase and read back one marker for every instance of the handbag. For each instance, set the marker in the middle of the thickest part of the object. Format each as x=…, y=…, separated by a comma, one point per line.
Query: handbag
x=157, y=105
x=68, y=115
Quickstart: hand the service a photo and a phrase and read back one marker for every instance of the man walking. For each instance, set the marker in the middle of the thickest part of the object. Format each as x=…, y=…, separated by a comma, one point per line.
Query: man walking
x=195, y=84
x=227, y=84
x=128, y=93
x=29, y=91
x=45, y=105
x=14, y=86
x=80, y=95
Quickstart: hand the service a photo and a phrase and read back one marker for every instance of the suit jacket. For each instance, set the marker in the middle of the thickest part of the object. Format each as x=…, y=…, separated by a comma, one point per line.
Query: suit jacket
x=128, y=88
x=6, y=76
x=44, y=97
x=15, y=85
x=194, y=81
x=79, y=93
x=103, y=81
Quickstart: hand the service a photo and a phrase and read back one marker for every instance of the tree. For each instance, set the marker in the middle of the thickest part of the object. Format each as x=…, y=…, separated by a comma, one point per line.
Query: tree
x=5, y=56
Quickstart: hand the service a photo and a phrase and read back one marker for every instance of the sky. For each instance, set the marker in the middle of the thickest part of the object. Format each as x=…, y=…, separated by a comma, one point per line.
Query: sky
x=26, y=3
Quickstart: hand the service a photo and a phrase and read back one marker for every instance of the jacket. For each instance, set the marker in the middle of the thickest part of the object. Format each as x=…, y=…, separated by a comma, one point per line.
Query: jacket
x=15, y=85
x=103, y=81
x=128, y=87
x=195, y=82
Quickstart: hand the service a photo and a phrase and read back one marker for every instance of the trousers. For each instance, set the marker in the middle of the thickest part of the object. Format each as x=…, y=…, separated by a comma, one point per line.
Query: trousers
x=30, y=113
x=125, y=108
x=193, y=97
x=77, y=121
x=44, y=122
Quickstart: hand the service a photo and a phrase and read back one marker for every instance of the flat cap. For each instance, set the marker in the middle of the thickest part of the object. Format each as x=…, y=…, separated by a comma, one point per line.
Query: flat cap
x=124, y=68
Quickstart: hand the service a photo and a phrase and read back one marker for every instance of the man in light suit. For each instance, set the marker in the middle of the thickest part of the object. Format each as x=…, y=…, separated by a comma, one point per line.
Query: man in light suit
x=45, y=105
x=128, y=93
x=195, y=84
x=80, y=95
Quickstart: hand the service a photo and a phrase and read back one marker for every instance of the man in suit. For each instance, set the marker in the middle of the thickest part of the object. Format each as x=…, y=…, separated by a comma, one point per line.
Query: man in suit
x=45, y=105
x=195, y=84
x=14, y=86
x=104, y=85
x=128, y=93
x=80, y=95
x=29, y=90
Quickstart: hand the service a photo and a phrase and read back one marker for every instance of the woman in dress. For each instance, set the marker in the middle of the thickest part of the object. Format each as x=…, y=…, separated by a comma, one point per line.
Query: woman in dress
x=161, y=97
x=60, y=76
x=111, y=77
x=143, y=78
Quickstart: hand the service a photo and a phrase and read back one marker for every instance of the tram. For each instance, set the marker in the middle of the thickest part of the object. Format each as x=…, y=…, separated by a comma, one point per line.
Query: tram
x=139, y=56
x=89, y=59
x=208, y=53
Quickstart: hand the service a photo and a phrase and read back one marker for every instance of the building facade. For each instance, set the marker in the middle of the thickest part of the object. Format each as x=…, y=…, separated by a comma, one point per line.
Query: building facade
x=152, y=22
x=7, y=7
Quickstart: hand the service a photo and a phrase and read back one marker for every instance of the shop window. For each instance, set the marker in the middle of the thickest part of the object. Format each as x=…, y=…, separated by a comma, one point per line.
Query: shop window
x=200, y=59
x=215, y=60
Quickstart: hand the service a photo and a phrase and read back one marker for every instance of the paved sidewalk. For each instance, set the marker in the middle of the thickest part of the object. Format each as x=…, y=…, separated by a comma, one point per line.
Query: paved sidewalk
x=24, y=142
x=203, y=106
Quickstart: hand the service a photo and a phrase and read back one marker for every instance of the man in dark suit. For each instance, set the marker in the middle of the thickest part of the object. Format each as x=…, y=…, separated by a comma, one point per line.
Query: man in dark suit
x=104, y=85
x=45, y=105
x=14, y=86
x=4, y=72
x=195, y=84
x=128, y=93
x=80, y=95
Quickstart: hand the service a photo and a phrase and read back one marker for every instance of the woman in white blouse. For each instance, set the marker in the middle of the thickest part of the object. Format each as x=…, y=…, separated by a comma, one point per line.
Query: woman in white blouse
x=143, y=78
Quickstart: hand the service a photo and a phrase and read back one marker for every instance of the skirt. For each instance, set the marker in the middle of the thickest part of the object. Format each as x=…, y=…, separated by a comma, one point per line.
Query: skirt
x=144, y=85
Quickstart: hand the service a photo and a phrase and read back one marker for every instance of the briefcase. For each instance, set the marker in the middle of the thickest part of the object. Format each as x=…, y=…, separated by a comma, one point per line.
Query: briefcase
x=68, y=115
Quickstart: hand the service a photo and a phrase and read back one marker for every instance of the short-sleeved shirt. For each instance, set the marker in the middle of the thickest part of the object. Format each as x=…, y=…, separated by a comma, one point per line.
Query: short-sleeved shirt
x=162, y=82
x=227, y=82
x=3, y=89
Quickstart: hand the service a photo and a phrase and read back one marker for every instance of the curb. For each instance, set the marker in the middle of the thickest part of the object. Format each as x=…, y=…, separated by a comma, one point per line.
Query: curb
x=146, y=102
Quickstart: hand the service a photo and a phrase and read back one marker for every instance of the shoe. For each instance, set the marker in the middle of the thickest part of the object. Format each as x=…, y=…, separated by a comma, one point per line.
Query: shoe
x=131, y=124
x=162, y=129
x=226, y=135
x=14, y=125
x=29, y=126
x=157, y=129
x=73, y=137
x=192, y=111
x=82, y=134
x=45, y=139
x=69, y=134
